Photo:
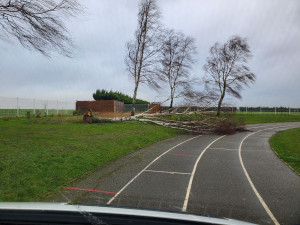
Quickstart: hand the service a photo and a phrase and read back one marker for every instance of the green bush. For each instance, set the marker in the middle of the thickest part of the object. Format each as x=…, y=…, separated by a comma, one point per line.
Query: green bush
x=115, y=95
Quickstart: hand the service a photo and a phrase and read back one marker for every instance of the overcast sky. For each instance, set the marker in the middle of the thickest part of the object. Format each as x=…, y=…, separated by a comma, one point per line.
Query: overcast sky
x=272, y=28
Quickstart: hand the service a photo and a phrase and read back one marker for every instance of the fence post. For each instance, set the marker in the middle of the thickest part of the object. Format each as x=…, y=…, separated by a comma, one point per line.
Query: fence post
x=18, y=112
x=289, y=110
x=275, y=110
x=246, y=110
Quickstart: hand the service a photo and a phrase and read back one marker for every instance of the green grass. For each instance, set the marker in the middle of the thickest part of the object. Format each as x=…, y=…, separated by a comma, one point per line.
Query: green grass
x=287, y=145
x=267, y=118
x=39, y=155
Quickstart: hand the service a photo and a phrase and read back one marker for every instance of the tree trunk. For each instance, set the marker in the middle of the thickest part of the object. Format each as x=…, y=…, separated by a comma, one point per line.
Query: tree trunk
x=172, y=97
x=220, y=104
x=171, y=104
x=133, y=100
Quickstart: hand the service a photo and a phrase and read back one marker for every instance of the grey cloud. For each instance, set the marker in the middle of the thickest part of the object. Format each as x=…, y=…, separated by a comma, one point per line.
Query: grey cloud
x=271, y=27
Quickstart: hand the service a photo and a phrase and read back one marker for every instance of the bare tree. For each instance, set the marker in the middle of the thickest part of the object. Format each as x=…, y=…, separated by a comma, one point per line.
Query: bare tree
x=226, y=70
x=142, y=51
x=176, y=58
x=38, y=25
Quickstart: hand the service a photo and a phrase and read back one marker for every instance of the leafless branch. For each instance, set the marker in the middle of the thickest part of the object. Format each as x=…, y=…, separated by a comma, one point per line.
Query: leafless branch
x=142, y=51
x=226, y=70
x=38, y=25
x=176, y=58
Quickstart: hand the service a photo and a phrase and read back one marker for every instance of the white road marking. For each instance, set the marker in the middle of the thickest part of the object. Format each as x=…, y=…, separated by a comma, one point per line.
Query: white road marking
x=184, y=208
x=126, y=185
x=160, y=171
x=188, y=191
x=225, y=148
x=250, y=181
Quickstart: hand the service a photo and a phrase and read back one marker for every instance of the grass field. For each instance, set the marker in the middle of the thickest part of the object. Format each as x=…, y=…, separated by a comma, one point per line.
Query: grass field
x=287, y=145
x=267, y=118
x=39, y=155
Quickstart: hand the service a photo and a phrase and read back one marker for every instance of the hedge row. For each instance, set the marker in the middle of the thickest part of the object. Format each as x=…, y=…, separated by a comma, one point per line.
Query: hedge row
x=115, y=95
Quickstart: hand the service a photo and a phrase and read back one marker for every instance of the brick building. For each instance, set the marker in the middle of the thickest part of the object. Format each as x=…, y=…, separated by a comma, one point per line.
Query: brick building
x=112, y=106
x=155, y=107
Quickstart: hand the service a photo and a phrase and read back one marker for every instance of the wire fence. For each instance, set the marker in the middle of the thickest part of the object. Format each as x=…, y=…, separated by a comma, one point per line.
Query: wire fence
x=138, y=107
x=15, y=107
x=269, y=110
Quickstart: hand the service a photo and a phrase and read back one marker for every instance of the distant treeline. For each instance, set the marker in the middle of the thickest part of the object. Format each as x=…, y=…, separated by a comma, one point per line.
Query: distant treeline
x=115, y=95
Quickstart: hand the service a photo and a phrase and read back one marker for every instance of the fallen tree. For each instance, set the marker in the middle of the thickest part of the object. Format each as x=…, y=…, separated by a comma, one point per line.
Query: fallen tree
x=195, y=122
x=183, y=117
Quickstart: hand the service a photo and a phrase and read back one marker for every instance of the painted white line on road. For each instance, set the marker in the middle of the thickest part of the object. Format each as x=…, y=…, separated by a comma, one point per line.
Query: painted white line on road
x=250, y=181
x=160, y=171
x=126, y=185
x=188, y=191
x=225, y=148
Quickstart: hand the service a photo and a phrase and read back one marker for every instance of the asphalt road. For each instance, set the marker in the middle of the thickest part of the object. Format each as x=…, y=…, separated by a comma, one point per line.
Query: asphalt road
x=236, y=176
